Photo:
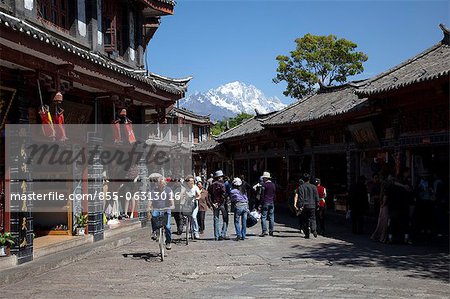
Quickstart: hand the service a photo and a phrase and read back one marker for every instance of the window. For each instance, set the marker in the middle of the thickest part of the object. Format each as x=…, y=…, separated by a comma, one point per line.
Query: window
x=54, y=11
x=112, y=26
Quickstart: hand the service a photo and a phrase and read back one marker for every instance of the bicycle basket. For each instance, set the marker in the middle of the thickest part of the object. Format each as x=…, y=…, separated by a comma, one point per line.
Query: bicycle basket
x=159, y=221
x=187, y=208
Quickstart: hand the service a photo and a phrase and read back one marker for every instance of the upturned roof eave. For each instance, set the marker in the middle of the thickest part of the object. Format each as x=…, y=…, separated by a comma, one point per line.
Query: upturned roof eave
x=170, y=85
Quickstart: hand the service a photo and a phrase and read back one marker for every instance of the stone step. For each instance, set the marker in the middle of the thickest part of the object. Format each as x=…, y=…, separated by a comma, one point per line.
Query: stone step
x=62, y=245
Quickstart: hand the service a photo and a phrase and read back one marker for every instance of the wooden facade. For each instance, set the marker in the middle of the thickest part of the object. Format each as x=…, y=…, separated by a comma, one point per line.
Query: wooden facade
x=93, y=52
x=394, y=122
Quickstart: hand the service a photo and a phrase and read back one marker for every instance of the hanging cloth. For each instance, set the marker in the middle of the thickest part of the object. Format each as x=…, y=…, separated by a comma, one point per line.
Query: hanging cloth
x=58, y=118
x=116, y=127
x=122, y=125
x=46, y=119
x=116, y=131
x=129, y=129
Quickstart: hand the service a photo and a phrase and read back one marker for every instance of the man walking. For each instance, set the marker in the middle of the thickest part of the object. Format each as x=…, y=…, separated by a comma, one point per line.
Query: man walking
x=306, y=201
x=267, y=202
x=217, y=201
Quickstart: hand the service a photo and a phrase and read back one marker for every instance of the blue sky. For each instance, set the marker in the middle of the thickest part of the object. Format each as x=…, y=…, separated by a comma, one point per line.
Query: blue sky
x=218, y=42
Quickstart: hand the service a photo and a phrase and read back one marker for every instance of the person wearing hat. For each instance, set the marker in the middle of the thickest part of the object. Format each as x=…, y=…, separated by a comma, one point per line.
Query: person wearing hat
x=240, y=201
x=267, y=204
x=217, y=201
x=161, y=201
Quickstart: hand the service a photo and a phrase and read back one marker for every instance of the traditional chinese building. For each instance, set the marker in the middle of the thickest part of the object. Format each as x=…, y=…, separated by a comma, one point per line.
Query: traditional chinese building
x=315, y=135
x=200, y=124
x=307, y=136
x=412, y=121
x=94, y=54
x=395, y=122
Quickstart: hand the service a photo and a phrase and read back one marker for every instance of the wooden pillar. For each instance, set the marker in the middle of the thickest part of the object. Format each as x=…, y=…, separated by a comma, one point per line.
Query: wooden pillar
x=21, y=216
x=95, y=186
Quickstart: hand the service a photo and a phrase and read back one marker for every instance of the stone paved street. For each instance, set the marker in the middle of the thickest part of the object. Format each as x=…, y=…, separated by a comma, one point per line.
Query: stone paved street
x=283, y=266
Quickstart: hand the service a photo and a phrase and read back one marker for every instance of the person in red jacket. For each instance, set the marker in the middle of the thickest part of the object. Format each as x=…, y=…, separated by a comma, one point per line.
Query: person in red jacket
x=320, y=212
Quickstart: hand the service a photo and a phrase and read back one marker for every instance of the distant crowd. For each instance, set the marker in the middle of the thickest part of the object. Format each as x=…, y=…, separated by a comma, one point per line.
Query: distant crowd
x=403, y=211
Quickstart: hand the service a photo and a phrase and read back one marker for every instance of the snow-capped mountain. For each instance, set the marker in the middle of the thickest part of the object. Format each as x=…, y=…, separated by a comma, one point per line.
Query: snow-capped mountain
x=230, y=99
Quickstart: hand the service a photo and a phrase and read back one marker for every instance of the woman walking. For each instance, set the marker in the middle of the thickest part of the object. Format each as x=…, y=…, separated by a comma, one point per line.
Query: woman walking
x=193, y=196
x=240, y=201
x=202, y=207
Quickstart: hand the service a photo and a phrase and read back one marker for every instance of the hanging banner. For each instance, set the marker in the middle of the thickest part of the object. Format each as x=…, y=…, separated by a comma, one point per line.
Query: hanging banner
x=364, y=135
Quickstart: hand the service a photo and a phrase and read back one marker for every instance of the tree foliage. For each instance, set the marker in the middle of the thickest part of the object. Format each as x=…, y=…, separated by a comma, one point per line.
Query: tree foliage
x=221, y=126
x=318, y=61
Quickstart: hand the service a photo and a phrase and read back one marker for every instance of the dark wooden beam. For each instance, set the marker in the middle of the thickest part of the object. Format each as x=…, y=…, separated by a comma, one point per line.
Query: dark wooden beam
x=128, y=89
x=74, y=59
x=65, y=67
x=30, y=61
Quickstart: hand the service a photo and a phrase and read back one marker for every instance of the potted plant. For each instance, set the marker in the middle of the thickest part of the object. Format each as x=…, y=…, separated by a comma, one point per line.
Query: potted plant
x=81, y=222
x=5, y=240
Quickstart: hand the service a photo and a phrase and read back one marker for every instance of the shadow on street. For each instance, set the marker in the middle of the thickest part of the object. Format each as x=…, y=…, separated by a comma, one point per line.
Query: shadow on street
x=147, y=256
x=422, y=260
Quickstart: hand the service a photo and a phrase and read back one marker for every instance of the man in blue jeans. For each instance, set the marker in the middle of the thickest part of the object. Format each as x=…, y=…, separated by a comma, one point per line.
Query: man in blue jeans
x=161, y=201
x=267, y=204
x=217, y=201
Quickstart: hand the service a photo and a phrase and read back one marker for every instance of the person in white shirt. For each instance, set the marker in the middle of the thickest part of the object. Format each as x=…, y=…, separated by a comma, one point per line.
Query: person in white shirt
x=193, y=195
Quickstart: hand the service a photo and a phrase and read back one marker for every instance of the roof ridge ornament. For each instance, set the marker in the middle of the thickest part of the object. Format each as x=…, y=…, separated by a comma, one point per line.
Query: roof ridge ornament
x=446, y=31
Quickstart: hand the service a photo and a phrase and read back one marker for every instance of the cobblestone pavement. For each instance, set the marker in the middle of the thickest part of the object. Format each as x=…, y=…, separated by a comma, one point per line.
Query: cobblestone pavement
x=283, y=266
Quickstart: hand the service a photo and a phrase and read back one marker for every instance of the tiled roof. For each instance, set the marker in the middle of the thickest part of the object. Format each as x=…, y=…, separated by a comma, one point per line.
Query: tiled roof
x=171, y=2
x=428, y=65
x=328, y=102
x=174, y=86
x=250, y=126
x=206, y=146
x=182, y=112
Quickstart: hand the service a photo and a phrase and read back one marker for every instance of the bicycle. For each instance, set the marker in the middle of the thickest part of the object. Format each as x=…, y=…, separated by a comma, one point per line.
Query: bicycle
x=159, y=223
x=189, y=229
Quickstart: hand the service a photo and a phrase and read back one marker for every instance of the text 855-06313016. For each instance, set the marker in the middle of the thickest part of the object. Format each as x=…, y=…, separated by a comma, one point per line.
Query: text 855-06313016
x=139, y=195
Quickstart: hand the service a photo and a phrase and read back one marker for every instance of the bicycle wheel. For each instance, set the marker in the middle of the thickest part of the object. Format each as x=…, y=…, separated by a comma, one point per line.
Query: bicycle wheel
x=188, y=229
x=161, y=243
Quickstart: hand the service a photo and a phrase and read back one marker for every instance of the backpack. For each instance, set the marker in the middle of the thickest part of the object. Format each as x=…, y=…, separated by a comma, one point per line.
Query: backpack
x=187, y=207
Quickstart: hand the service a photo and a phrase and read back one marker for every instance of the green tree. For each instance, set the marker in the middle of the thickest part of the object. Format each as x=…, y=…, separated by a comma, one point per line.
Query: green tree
x=221, y=126
x=318, y=61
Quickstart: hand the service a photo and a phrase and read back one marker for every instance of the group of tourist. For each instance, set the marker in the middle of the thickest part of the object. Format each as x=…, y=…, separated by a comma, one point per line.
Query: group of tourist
x=404, y=210
x=224, y=193
x=401, y=209
x=193, y=196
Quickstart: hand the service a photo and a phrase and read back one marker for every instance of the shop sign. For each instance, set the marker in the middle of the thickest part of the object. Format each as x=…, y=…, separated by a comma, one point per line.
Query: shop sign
x=364, y=135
